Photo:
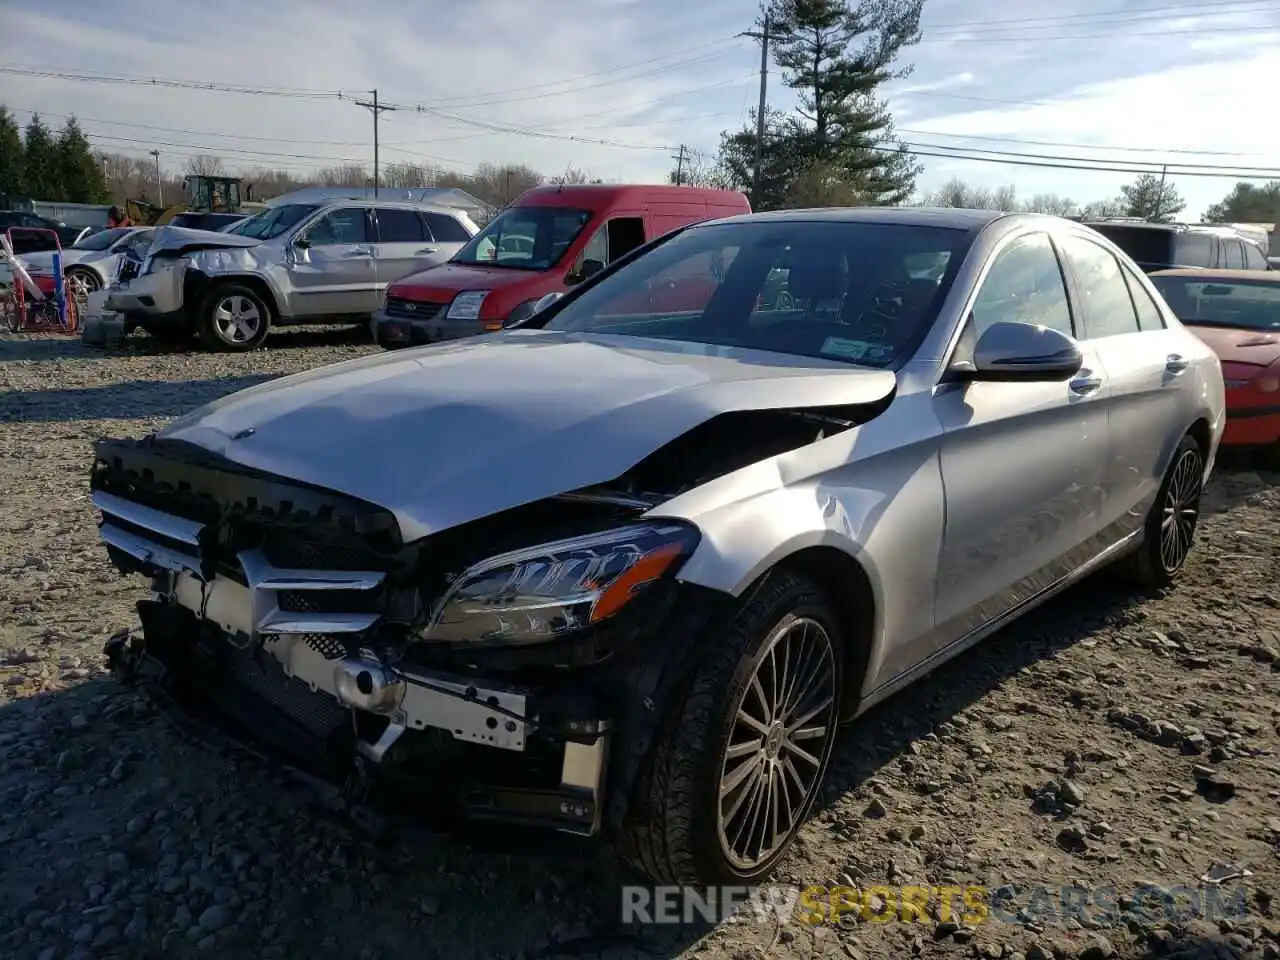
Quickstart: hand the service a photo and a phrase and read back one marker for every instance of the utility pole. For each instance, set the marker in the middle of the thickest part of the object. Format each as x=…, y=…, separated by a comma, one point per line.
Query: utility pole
x=1155, y=217
x=679, y=159
x=159, y=181
x=763, y=36
x=377, y=109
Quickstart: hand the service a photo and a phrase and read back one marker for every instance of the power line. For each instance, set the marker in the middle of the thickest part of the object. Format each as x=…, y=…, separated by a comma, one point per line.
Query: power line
x=1216, y=8
x=1077, y=146
x=377, y=109
x=1032, y=160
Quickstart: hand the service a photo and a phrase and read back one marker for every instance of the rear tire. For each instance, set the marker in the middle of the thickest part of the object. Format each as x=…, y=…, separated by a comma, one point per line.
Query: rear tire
x=88, y=281
x=736, y=749
x=233, y=318
x=1170, y=528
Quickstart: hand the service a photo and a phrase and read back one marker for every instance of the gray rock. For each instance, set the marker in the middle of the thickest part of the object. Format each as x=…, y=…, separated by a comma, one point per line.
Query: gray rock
x=215, y=917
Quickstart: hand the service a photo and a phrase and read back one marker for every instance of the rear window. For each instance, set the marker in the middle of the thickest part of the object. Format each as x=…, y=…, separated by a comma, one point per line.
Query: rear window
x=1249, y=305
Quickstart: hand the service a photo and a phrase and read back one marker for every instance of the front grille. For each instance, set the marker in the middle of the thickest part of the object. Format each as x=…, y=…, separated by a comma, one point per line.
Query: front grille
x=329, y=601
x=293, y=551
x=412, y=309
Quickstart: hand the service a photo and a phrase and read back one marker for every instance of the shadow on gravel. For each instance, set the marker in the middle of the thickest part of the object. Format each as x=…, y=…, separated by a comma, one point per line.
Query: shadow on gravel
x=1238, y=476
x=139, y=344
x=131, y=400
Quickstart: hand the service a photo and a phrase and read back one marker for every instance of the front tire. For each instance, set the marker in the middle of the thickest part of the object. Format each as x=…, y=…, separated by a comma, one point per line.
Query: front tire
x=1170, y=528
x=86, y=280
x=741, y=759
x=233, y=318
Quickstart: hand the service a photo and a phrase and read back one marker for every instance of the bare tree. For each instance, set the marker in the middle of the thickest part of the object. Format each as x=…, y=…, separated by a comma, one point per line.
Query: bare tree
x=956, y=193
x=701, y=169
x=1051, y=203
x=205, y=165
x=344, y=175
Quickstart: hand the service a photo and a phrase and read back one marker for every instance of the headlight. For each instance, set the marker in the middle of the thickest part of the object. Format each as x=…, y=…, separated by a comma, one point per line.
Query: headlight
x=541, y=593
x=466, y=305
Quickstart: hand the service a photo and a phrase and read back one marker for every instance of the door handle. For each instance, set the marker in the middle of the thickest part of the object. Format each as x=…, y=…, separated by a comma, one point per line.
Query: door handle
x=427, y=250
x=1085, y=383
x=1176, y=363
x=359, y=252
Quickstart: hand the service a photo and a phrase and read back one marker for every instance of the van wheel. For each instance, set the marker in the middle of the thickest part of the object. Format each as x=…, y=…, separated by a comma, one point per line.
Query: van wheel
x=734, y=773
x=1170, y=528
x=233, y=318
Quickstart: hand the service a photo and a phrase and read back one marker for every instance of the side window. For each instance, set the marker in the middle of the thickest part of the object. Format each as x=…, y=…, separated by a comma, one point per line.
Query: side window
x=1235, y=255
x=445, y=229
x=1106, y=305
x=1149, y=317
x=625, y=234
x=1024, y=285
x=344, y=225
x=400, y=226
x=1253, y=258
x=1194, y=250
x=597, y=247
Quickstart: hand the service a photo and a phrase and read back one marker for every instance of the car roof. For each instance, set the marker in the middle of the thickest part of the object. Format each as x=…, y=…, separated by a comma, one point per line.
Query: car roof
x=954, y=217
x=384, y=204
x=1221, y=276
x=600, y=196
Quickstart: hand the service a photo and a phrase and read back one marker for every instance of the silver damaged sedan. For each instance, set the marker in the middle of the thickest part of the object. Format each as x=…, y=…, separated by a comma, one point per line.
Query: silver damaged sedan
x=621, y=570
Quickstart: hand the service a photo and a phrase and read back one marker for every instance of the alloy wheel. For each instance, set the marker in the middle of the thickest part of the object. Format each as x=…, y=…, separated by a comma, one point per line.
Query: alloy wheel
x=237, y=319
x=1181, y=510
x=775, y=755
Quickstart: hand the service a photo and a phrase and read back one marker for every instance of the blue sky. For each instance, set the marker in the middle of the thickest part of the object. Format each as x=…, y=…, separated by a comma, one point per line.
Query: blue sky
x=1165, y=77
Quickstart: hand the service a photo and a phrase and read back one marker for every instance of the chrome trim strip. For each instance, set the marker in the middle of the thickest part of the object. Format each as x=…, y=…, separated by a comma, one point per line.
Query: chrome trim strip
x=146, y=551
x=165, y=524
x=288, y=621
x=263, y=576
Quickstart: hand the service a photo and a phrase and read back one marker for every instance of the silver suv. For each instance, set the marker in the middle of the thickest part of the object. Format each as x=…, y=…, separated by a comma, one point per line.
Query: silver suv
x=292, y=263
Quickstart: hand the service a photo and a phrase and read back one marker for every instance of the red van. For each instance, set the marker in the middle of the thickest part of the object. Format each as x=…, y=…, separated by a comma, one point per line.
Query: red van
x=550, y=239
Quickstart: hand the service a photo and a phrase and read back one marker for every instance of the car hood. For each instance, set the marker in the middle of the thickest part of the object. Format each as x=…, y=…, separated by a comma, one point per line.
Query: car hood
x=450, y=278
x=1235, y=345
x=175, y=241
x=449, y=433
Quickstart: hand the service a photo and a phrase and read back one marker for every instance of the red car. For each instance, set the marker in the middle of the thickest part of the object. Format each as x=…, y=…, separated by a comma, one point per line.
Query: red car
x=1237, y=313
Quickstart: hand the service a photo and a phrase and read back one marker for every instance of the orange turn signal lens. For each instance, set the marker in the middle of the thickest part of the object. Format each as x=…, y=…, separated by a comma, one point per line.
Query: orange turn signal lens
x=645, y=570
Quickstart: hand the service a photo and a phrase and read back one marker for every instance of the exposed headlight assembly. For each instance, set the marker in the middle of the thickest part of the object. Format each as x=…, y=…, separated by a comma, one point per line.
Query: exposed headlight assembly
x=538, y=594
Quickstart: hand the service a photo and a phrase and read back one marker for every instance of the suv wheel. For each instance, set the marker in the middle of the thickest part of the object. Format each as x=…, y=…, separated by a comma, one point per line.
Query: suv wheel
x=740, y=761
x=233, y=317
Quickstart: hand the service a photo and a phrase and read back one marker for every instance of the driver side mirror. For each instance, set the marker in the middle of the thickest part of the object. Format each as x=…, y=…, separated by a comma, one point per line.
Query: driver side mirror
x=1020, y=353
x=302, y=243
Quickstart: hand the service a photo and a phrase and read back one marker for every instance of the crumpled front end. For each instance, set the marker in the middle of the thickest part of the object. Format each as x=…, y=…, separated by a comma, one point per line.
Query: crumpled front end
x=468, y=675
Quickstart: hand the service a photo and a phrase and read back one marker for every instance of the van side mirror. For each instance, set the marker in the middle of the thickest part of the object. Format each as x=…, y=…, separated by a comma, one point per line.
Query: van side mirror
x=590, y=268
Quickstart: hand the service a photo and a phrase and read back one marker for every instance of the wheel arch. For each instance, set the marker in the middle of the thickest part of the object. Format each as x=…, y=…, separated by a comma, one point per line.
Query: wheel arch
x=853, y=595
x=197, y=285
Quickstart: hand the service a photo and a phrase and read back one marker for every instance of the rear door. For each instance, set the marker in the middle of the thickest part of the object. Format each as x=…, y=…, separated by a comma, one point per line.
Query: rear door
x=448, y=236
x=1022, y=463
x=404, y=246
x=1144, y=371
x=336, y=273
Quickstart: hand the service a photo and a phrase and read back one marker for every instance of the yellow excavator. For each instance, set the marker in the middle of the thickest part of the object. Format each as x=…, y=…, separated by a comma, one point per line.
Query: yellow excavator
x=204, y=194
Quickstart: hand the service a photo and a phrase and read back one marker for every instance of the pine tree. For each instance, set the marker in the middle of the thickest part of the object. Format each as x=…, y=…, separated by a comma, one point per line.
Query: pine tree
x=11, y=157
x=836, y=56
x=1152, y=198
x=81, y=173
x=41, y=166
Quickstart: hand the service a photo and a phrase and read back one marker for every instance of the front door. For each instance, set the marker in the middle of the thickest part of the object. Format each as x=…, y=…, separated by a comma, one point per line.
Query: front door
x=1022, y=463
x=336, y=273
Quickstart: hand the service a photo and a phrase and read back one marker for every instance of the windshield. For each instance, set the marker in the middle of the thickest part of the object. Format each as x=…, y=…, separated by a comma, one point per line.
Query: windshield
x=1247, y=305
x=101, y=240
x=858, y=292
x=273, y=222
x=525, y=238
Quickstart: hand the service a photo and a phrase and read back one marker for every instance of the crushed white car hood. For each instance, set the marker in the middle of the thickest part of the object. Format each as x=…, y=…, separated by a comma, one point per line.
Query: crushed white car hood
x=450, y=433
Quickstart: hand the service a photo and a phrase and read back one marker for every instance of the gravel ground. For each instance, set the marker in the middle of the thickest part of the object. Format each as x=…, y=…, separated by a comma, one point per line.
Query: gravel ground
x=1104, y=741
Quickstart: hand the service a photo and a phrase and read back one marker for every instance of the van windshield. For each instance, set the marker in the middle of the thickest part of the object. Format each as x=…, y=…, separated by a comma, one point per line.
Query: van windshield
x=525, y=238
